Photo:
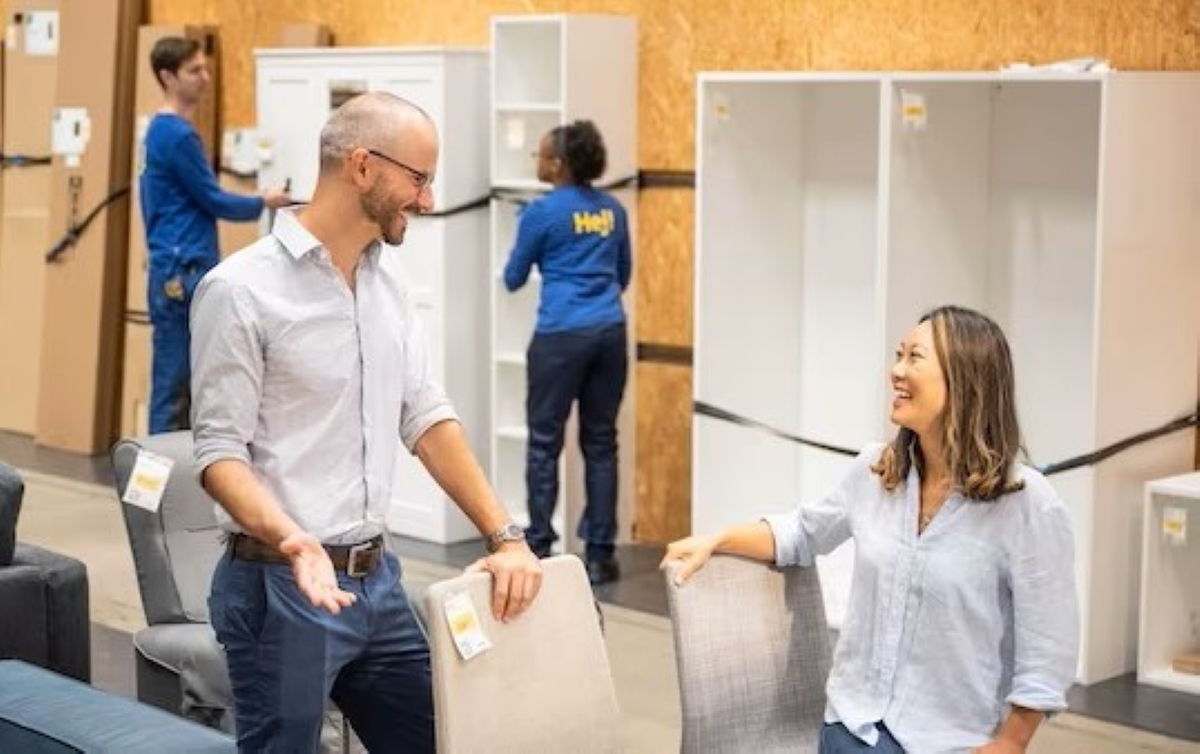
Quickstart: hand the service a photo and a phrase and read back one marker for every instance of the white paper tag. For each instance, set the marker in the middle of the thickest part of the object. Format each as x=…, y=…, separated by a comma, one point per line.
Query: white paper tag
x=41, y=33
x=914, y=113
x=148, y=480
x=464, y=625
x=1174, y=525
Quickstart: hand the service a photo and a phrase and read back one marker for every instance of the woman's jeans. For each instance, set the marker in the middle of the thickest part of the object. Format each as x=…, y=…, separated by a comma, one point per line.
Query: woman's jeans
x=836, y=739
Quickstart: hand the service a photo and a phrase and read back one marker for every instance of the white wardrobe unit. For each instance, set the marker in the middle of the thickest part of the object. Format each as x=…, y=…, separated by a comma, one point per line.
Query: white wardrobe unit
x=443, y=258
x=834, y=209
x=550, y=70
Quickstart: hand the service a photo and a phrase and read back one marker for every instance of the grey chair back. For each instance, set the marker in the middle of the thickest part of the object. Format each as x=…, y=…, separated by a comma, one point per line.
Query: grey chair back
x=175, y=549
x=12, y=491
x=752, y=653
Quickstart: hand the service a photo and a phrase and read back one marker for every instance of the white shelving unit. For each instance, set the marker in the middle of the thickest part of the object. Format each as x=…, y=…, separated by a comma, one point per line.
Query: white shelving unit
x=1170, y=616
x=444, y=259
x=549, y=70
x=829, y=219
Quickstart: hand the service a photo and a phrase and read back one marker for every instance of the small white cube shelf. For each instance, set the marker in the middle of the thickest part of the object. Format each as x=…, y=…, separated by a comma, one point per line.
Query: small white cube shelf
x=1170, y=617
x=829, y=218
x=550, y=70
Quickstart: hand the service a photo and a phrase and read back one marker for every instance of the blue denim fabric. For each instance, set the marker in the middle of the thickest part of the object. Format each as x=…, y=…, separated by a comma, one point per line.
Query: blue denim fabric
x=590, y=366
x=836, y=739
x=287, y=657
x=171, y=373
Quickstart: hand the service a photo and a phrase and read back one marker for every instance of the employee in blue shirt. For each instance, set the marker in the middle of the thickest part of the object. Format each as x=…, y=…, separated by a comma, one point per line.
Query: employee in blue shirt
x=962, y=629
x=578, y=238
x=181, y=201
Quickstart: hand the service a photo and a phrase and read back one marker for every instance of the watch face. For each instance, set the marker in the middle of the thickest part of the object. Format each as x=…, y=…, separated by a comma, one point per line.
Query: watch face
x=512, y=533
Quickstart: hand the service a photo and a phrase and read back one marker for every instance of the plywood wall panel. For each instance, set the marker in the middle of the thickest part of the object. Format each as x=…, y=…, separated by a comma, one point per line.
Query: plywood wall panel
x=678, y=38
x=663, y=511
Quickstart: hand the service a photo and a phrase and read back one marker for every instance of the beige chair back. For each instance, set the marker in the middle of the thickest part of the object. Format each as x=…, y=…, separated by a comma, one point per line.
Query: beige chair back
x=545, y=684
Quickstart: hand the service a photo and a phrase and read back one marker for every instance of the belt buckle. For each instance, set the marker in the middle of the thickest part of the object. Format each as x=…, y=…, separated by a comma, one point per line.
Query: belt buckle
x=359, y=561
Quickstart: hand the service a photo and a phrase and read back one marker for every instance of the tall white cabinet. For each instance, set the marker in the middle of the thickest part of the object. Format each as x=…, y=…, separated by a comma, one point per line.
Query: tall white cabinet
x=834, y=209
x=549, y=70
x=444, y=259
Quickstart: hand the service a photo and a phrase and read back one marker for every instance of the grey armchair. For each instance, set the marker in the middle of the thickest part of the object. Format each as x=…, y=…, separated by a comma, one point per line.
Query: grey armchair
x=752, y=653
x=180, y=664
x=43, y=596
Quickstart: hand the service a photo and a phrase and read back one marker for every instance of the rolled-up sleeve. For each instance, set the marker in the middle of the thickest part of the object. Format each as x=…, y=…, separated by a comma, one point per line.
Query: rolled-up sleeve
x=227, y=372
x=1045, y=612
x=818, y=528
x=424, y=403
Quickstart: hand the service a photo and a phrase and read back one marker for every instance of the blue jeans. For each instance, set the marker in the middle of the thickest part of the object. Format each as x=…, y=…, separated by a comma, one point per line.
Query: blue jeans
x=170, y=289
x=286, y=658
x=589, y=366
x=836, y=739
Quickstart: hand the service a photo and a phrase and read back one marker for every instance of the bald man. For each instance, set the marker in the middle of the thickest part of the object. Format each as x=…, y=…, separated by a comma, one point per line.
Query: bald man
x=307, y=356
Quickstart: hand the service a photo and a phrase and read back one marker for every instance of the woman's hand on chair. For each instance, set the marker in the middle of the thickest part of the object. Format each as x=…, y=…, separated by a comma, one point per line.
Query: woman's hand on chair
x=691, y=553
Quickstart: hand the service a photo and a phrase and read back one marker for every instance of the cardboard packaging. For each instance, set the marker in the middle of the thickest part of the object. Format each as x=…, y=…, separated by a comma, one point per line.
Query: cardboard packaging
x=30, y=71
x=135, y=386
x=1187, y=663
x=233, y=236
x=77, y=406
x=304, y=35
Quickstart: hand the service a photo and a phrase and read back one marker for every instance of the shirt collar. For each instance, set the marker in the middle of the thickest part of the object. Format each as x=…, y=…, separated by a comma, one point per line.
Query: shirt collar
x=293, y=236
x=298, y=242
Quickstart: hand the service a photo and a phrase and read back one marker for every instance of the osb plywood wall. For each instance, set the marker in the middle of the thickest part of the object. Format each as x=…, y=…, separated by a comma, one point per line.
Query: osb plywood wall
x=680, y=38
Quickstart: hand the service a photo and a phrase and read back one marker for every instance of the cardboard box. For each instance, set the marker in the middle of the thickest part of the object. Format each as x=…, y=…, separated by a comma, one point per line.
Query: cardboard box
x=1187, y=663
x=30, y=73
x=233, y=236
x=78, y=403
x=135, y=381
x=148, y=98
x=304, y=35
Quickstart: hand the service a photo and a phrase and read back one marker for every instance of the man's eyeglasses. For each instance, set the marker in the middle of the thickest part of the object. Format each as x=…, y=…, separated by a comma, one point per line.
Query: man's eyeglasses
x=422, y=179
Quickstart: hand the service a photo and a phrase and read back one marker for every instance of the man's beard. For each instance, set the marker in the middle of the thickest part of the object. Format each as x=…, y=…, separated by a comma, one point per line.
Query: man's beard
x=377, y=209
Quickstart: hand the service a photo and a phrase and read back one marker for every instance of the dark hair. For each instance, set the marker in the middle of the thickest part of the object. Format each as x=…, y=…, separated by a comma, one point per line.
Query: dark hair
x=982, y=437
x=170, y=53
x=581, y=147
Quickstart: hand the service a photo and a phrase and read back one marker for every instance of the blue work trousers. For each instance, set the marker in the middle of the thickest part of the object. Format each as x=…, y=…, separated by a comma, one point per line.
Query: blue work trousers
x=171, y=287
x=589, y=366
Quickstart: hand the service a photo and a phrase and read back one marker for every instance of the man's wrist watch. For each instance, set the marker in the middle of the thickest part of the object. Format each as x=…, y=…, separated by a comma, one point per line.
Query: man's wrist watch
x=510, y=532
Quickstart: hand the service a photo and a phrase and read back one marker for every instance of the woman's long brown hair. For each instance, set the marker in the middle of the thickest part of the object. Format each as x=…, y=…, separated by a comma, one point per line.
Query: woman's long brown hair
x=982, y=438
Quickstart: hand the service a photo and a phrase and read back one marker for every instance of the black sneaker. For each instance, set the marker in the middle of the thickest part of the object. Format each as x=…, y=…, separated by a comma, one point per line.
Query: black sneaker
x=603, y=571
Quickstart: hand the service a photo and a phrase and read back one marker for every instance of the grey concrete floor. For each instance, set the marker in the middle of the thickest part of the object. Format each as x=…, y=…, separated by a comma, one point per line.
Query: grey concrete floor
x=82, y=519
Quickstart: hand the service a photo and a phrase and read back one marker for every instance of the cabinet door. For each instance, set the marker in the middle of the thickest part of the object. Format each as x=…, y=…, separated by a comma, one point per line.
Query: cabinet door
x=291, y=112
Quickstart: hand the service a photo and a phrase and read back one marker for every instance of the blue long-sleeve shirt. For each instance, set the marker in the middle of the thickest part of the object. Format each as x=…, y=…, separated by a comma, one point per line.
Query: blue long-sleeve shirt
x=181, y=199
x=578, y=237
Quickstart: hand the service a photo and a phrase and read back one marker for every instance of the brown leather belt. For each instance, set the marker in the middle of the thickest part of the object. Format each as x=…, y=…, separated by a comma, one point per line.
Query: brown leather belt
x=353, y=560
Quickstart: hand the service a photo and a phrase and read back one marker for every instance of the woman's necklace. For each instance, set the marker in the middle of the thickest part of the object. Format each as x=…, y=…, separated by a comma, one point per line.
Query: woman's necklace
x=937, y=492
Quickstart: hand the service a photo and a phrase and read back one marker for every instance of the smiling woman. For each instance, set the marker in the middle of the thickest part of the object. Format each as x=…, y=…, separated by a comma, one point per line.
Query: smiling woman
x=960, y=550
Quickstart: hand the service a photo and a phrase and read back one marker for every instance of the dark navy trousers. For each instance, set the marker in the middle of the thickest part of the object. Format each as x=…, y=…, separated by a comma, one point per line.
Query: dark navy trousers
x=286, y=658
x=589, y=367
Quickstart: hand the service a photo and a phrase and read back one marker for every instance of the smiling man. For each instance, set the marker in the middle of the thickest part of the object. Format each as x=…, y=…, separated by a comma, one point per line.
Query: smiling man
x=308, y=357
